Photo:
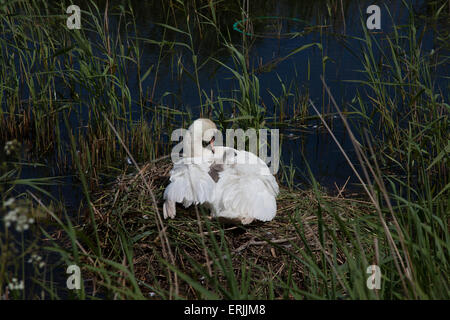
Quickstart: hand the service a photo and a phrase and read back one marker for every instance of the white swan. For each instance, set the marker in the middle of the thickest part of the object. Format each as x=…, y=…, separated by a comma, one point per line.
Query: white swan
x=234, y=184
x=190, y=182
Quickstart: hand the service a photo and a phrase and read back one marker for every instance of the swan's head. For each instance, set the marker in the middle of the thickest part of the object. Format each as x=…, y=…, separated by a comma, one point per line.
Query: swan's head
x=203, y=131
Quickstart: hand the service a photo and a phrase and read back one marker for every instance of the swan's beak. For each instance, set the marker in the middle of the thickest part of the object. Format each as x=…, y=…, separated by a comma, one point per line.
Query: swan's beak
x=212, y=144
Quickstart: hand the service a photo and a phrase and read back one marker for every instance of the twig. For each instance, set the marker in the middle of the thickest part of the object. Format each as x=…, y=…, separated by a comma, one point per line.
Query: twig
x=261, y=243
x=365, y=162
x=216, y=231
x=342, y=189
x=52, y=214
x=159, y=222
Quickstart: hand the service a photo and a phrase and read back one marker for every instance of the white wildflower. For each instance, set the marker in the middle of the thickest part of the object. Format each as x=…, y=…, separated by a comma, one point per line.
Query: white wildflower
x=16, y=285
x=20, y=286
x=8, y=202
x=35, y=258
x=10, y=146
x=10, y=217
x=19, y=216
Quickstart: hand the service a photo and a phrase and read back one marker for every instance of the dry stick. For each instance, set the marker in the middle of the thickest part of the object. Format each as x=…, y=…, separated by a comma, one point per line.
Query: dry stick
x=325, y=253
x=121, y=275
x=52, y=214
x=202, y=234
x=205, y=252
x=409, y=270
x=261, y=243
x=217, y=231
x=343, y=16
x=106, y=26
x=361, y=155
x=358, y=151
x=200, y=227
x=369, y=193
x=150, y=162
x=343, y=152
x=343, y=188
x=159, y=59
x=377, y=257
x=377, y=252
x=159, y=222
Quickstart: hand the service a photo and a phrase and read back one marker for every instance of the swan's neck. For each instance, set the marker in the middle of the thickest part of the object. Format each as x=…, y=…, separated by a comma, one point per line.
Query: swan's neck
x=193, y=146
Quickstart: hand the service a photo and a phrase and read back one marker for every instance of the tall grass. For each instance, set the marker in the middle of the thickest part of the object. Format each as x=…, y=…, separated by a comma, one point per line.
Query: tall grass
x=85, y=72
x=69, y=93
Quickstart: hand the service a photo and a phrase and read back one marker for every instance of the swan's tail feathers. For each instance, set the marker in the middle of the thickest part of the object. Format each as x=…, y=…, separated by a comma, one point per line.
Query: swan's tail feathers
x=233, y=217
x=263, y=206
x=246, y=199
x=247, y=220
x=272, y=185
x=189, y=185
x=169, y=209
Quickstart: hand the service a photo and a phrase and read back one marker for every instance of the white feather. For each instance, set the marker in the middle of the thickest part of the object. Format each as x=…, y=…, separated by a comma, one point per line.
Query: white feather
x=190, y=183
x=246, y=190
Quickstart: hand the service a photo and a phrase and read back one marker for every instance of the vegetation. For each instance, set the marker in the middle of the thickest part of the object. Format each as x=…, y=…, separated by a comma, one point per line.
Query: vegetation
x=86, y=103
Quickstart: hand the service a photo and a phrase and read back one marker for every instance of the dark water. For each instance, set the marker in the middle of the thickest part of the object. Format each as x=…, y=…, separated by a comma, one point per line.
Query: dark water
x=321, y=153
x=307, y=144
x=310, y=143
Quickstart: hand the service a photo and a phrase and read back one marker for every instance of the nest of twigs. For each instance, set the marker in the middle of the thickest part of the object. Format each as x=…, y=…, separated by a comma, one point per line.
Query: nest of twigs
x=207, y=250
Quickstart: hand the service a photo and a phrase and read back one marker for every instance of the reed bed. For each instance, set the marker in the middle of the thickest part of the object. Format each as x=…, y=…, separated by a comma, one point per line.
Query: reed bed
x=248, y=262
x=68, y=99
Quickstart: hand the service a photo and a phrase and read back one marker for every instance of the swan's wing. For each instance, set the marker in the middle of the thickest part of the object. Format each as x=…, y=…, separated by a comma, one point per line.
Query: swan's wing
x=246, y=196
x=214, y=171
x=190, y=183
x=246, y=187
x=247, y=163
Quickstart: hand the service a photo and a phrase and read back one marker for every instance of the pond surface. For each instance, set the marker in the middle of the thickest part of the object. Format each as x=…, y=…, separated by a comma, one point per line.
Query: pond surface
x=278, y=28
x=309, y=142
x=275, y=25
